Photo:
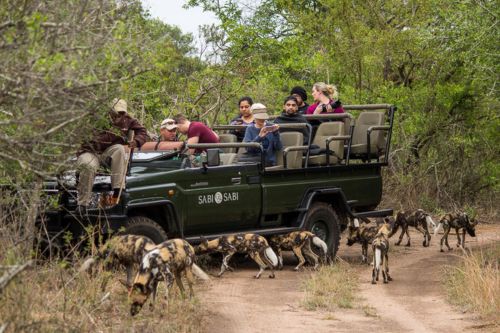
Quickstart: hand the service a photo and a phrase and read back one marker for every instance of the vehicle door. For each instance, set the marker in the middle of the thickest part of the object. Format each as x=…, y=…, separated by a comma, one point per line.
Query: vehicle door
x=221, y=199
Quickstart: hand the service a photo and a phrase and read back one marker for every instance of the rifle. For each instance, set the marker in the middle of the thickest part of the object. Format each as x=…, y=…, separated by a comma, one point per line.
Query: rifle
x=130, y=138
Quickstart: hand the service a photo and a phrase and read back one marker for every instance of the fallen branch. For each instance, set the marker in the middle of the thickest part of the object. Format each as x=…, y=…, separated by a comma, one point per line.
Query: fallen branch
x=7, y=277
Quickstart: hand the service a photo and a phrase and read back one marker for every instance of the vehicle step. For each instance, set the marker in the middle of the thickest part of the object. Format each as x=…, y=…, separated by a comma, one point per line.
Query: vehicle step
x=375, y=213
x=263, y=232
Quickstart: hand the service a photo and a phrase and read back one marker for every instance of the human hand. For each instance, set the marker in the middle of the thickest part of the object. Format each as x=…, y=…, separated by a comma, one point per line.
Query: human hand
x=132, y=144
x=275, y=128
x=263, y=132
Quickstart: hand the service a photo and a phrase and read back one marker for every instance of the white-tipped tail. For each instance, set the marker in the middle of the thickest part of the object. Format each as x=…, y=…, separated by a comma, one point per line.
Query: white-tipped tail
x=436, y=229
x=269, y=253
x=430, y=222
x=321, y=244
x=87, y=264
x=200, y=274
x=378, y=258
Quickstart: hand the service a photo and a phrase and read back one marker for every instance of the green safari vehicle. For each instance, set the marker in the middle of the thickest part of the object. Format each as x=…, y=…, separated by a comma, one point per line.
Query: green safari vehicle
x=316, y=186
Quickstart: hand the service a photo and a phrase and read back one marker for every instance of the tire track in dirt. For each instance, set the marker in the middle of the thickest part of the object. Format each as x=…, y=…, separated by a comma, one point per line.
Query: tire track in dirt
x=413, y=302
x=415, y=298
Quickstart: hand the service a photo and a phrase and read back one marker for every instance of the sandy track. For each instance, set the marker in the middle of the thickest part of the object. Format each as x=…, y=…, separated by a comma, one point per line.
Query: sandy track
x=413, y=302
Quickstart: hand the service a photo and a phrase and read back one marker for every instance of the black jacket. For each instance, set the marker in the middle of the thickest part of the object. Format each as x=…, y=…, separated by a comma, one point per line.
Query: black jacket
x=295, y=118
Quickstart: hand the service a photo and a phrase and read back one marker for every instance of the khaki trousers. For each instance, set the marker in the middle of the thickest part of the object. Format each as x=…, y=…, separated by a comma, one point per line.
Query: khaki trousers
x=88, y=164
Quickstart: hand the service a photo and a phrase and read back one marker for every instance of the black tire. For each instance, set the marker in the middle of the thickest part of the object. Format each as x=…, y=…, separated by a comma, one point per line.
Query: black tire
x=322, y=220
x=144, y=226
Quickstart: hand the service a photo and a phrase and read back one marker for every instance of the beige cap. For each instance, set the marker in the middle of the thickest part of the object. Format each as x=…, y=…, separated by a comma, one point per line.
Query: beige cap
x=119, y=105
x=259, y=111
x=168, y=124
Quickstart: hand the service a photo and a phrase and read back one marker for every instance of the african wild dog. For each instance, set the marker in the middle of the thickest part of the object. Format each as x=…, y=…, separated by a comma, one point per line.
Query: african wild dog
x=121, y=250
x=364, y=235
x=252, y=244
x=166, y=262
x=418, y=219
x=380, y=245
x=457, y=221
x=300, y=243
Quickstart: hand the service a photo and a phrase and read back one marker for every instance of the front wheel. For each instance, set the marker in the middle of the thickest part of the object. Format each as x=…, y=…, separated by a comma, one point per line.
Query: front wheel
x=322, y=220
x=144, y=226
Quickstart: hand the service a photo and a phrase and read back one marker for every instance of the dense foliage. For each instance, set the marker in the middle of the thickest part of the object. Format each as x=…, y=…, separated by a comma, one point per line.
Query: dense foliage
x=61, y=64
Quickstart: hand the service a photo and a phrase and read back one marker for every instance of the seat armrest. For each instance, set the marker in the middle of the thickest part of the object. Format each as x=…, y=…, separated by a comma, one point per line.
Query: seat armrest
x=378, y=128
x=289, y=149
x=334, y=138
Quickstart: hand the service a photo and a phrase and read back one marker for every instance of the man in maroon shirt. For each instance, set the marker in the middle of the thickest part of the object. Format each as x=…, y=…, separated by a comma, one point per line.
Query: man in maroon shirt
x=196, y=132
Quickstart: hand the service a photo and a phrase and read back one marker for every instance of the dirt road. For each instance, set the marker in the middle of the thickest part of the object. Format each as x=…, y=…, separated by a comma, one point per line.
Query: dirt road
x=413, y=302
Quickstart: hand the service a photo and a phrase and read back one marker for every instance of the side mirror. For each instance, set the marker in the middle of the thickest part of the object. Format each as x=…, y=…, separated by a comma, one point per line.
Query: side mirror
x=213, y=157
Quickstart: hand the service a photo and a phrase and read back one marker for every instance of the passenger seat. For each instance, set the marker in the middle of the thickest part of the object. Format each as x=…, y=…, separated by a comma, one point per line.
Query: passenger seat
x=369, y=123
x=292, y=148
x=330, y=138
x=228, y=158
x=228, y=138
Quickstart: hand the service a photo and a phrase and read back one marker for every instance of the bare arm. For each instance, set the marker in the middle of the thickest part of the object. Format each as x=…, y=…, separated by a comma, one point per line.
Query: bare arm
x=192, y=140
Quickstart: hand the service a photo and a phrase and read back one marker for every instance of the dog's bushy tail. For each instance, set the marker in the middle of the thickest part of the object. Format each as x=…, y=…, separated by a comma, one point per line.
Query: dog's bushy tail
x=87, y=265
x=200, y=274
x=439, y=227
x=430, y=222
x=271, y=256
x=321, y=244
x=378, y=257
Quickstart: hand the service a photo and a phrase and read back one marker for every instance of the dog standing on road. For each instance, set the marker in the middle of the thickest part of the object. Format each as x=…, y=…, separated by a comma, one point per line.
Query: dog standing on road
x=418, y=219
x=380, y=245
x=363, y=234
x=121, y=250
x=166, y=263
x=300, y=243
x=457, y=221
x=252, y=244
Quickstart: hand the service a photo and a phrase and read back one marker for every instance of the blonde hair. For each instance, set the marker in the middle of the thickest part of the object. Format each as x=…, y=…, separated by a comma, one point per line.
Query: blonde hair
x=327, y=89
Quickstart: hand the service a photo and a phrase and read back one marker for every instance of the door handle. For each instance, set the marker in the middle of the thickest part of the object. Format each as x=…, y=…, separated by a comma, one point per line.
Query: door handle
x=236, y=180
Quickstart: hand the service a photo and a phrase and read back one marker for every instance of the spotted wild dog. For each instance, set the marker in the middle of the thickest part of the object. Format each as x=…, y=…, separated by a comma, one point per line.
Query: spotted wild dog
x=252, y=244
x=364, y=235
x=380, y=245
x=418, y=219
x=166, y=262
x=300, y=243
x=121, y=250
x=457, y=221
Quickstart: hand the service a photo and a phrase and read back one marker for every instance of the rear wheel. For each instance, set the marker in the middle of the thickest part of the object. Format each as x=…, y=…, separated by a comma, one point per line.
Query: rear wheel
x=144, y=226
x=322, y=220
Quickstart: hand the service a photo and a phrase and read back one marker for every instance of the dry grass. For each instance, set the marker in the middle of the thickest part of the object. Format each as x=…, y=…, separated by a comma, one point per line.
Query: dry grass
x=333, y=286
x=474, y=284
x=53, y=298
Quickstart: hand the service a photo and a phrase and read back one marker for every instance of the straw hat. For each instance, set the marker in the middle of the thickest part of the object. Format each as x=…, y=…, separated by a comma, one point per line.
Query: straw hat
x=259, y=111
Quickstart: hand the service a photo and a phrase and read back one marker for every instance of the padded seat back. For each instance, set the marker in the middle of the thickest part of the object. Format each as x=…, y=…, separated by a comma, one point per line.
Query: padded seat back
x=293, y=158
x=359, y=138
x=228, y=138
x=325, y=130
x=228, y=158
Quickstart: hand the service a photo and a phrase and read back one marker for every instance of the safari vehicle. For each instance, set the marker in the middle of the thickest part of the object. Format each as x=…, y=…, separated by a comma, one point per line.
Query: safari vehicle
x=318, y=186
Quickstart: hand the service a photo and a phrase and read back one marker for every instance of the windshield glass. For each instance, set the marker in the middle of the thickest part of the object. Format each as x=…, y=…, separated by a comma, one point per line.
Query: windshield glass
x=146, y=162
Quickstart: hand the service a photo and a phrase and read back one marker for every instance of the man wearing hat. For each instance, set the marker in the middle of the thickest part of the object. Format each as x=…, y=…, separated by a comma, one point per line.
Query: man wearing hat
x=264, y=133
x=168, y=130
x=300, y=94
x=107, y=148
